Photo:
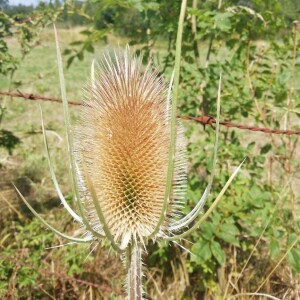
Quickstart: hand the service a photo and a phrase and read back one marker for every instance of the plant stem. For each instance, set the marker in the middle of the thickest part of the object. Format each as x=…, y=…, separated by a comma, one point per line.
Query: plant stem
x=134, y=273
x=194, y=32
x=173, y=119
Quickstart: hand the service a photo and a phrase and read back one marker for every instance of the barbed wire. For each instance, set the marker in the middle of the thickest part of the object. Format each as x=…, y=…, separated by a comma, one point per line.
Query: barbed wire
x=204, y=120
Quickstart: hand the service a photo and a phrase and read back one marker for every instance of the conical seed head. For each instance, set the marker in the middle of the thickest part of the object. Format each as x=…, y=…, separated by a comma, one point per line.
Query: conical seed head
x=124, y=140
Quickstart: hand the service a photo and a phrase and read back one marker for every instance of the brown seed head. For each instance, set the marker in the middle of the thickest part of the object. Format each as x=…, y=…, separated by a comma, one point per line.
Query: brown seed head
x=124, y=140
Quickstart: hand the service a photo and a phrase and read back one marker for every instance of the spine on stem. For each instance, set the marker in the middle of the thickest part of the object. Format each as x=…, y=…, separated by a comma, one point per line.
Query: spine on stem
x=134, y=273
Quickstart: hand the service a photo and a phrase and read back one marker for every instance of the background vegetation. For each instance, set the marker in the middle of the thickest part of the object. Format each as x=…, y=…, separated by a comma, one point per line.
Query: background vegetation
x=256, y=46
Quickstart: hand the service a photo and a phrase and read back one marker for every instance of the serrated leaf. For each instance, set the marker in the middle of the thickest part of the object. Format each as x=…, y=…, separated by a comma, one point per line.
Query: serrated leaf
x=294, y=259
x=207, y=230
x=202, y=250
x=292, y=238
x=228, y=238
x=222, y=21
x=69, y=61
x=274, y=249
x=230, y=228
x=265, y=149
x=89, y=47
x=76, y=43
x=218, y=252
x=80, y=55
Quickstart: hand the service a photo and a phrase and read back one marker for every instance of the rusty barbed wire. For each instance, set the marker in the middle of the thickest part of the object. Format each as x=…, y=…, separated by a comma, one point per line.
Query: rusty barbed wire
x=30, y=96
x=204, y=120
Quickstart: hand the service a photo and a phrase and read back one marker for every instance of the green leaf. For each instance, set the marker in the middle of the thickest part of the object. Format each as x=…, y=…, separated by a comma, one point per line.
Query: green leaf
x=222, y=21
x=89, y=47
x=70, y=60
x=265, y=149
x=274, y=249
x=218, y=252
x=80, y=55
x=76, y=43
x=230, y=228
x=207, y=230
x=292, y=238
x=202, y=250
x=150, y=5
x=294, y=259
x=228, y=232
x=228, y=238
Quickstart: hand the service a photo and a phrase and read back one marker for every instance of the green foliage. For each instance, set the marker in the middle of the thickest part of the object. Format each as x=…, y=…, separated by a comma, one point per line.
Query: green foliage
x=24, y=260
x=20, y=260
x=8, y=140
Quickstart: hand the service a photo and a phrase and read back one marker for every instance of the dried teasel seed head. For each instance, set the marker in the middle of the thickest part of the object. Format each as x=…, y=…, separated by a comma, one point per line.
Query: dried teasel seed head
x=124, y=141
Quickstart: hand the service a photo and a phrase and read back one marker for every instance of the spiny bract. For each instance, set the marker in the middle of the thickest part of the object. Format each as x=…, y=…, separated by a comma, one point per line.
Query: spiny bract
x=123, y=139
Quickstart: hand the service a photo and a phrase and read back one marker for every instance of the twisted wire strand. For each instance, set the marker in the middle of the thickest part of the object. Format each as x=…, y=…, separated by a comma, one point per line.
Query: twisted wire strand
x=204, y=120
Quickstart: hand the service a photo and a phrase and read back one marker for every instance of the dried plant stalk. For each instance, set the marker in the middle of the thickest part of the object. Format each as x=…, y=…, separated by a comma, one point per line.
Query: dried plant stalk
x=134, y=273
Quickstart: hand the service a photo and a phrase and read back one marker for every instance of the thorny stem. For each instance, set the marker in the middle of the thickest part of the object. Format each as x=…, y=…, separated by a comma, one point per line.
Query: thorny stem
x=134, y=273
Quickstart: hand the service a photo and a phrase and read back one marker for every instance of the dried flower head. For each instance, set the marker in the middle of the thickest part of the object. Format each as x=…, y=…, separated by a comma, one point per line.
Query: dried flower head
x=124, y=141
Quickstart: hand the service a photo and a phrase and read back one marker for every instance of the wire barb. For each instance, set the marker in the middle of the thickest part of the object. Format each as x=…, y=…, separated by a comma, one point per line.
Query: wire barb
x=204, y=120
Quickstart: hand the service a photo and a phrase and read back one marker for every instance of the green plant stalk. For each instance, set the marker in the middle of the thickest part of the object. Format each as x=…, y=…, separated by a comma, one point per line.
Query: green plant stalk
x=173, y=120
x=69, y=138
x=67, y=123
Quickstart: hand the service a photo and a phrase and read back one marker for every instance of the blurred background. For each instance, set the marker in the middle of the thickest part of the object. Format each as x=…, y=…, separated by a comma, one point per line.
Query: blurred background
x=250, y=243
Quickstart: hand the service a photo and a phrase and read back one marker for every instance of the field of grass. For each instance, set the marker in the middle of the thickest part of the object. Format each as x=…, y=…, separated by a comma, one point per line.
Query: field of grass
x=32, y=271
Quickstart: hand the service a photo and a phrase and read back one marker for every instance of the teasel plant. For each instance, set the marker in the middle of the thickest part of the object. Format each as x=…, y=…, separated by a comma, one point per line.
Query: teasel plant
x=127, y=160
